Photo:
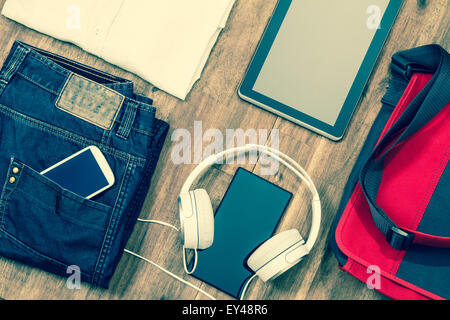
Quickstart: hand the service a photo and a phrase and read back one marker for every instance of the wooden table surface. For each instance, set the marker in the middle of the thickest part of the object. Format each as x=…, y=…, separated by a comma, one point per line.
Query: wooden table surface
x=214, y=101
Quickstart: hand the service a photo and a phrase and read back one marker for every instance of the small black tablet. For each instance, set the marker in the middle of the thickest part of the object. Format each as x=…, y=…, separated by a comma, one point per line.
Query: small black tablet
x=315, y=58
x=247, y=216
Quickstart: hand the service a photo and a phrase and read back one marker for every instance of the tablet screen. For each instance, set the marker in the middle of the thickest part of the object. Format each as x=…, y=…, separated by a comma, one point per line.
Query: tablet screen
x=317, y=53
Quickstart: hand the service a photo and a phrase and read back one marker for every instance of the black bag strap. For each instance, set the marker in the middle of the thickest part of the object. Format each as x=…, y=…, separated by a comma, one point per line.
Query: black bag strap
x=426, y=105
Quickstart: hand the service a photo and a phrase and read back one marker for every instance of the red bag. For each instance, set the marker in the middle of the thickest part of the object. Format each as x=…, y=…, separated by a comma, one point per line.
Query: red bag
x=396, y=221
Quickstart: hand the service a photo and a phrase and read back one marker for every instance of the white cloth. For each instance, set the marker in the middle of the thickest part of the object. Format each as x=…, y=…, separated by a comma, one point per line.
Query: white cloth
x=166, y=42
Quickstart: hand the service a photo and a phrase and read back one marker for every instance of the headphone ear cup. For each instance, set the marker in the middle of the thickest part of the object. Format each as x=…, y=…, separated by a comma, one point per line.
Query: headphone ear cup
x=269, y=261
x=205, y=219
x=196, y=219
x=188, y=220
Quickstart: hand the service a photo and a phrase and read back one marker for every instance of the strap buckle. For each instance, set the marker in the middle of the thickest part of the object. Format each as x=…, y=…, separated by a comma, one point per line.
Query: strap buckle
x=399, y=239
x=408, y=72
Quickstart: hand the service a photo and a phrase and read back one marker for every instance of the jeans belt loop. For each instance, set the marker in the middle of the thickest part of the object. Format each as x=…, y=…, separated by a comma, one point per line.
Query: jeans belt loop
x=127, y=121
x=12, y=66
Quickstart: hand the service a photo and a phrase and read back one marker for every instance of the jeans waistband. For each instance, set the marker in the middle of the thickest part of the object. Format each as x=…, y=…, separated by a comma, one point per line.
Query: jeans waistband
x=51, y=72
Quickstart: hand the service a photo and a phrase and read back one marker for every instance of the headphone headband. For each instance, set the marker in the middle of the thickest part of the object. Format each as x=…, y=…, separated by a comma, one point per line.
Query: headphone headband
x=281, y=157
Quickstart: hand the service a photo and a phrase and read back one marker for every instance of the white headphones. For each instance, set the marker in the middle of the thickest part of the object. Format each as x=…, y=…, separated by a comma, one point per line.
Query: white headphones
x=274, y=256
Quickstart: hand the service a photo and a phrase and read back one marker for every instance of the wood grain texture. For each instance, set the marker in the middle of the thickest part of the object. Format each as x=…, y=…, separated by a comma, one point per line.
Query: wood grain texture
x=214, y=101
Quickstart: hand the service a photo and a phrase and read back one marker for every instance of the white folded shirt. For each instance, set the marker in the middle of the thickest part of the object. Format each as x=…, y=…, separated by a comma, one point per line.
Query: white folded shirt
x=166, y=42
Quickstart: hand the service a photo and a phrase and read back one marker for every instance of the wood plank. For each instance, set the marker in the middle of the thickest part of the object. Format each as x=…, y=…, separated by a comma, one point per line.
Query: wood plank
x=214, y=102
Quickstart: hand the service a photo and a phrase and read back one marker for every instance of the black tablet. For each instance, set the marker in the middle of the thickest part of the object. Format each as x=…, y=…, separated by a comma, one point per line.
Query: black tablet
x=247, y=216
x=315, y=58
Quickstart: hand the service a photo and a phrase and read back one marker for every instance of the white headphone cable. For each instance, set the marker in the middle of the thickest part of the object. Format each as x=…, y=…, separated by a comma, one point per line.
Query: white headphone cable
x=184, y=249
x=171, y=274
x=241, y=297
x=161, y=268
x=185, y=262
x=159, y=222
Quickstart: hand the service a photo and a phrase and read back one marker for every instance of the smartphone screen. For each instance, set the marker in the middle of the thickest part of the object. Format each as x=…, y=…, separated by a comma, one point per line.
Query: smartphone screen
x=247, y=216
x=81, y=173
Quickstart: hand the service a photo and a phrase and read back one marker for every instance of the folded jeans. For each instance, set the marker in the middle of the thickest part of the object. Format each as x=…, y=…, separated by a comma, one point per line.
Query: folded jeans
x=50, y=108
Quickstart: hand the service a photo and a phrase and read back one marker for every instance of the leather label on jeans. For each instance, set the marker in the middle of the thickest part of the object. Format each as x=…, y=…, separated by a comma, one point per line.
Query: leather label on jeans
x=90, y=101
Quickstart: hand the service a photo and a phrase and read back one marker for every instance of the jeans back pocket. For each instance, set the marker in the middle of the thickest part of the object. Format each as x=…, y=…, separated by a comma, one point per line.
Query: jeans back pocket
x=53, y=221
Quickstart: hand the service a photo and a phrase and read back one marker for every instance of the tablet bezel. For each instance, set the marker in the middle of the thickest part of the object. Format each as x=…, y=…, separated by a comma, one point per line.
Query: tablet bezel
x=337, y=131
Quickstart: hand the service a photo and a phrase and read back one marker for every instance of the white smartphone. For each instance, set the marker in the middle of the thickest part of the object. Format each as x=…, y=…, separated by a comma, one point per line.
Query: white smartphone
x=86, y=173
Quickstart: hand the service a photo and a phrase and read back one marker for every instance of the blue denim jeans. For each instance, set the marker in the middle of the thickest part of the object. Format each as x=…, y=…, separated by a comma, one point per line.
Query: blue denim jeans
x=50, y=108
